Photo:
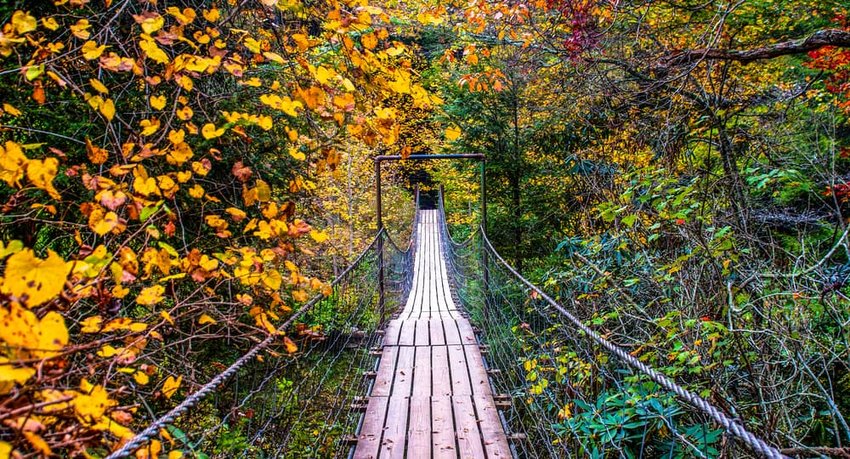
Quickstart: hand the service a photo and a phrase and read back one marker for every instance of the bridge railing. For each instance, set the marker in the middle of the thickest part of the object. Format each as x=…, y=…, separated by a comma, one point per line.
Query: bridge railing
x=278, y=401
x=573, y=392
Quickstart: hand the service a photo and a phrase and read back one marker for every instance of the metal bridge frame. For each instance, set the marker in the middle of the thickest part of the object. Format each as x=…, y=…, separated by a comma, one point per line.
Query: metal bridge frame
x=380, y=211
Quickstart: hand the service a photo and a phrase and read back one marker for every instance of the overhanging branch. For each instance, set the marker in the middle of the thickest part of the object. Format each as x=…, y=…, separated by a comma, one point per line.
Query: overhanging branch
x=815, y=41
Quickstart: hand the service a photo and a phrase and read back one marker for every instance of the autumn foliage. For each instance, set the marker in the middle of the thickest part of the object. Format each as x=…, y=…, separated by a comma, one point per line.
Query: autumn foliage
x=152, y=159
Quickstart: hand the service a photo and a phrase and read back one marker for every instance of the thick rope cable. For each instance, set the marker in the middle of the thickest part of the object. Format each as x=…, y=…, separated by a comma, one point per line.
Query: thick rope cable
x=731, y=426
x=153, y=429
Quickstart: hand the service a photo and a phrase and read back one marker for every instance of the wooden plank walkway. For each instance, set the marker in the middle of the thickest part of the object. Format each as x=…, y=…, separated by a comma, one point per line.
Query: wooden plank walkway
x=431, y=397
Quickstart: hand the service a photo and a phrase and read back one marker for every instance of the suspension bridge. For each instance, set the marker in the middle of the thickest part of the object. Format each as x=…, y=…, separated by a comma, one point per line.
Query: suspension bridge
x=440, y=349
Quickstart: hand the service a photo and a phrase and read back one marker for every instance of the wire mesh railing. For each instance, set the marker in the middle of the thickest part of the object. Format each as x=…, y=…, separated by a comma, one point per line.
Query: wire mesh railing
x=573, y=392
x=296, y=393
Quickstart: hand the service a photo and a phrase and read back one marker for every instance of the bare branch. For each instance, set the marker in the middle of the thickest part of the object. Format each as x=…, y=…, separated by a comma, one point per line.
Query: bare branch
x=819, y=39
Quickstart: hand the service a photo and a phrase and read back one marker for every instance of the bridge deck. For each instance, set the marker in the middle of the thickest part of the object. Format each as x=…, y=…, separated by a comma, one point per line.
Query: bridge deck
x=431, y=396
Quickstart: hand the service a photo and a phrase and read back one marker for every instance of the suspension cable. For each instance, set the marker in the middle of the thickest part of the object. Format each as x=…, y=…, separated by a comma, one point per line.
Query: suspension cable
x=732, y=426
x=141, y=438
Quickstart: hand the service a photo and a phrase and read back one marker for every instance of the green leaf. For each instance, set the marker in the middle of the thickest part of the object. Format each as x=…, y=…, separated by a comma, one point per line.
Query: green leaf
x=169, y=249
x=34, y=72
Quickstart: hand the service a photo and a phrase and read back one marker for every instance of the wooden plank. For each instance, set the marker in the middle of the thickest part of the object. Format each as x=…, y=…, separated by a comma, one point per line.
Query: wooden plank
x=386, y=371
x=408, y=332
x=492, y=433
x=395, y=428
x=441, y=384
x=391, y=333
x=422, y=372
x=419, y=427
x=467, y=334
x=452, y=333
x=466, y=426
x=442, y=428
x=460, y=375
x=438, y=337
x=422, y=332
x=421, y=282
x=369, y=439
x=430, y=301
x=479, y=380
x=403, y=372
x=418, y=287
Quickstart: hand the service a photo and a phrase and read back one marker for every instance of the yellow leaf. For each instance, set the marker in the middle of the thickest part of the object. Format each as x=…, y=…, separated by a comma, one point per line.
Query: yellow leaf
x=92, y=405
x=429, y=18
x=96, y=154
x=264, y=191
x=369, y=41
x=272, y=279
x=98, y=86
x=344, y=101
x=165, y=315
x=301, y=41
x=185, y=113
x=153, y=52
x=9, y=376
x=38, y=443
x=42, y=172
x=50, y=24
x=290, y=345
x=284, y=104
x=212, y=14
x=91, y=325
x=297, y=154
x=158, y=102
x=107, y=351
x=197, y=191
x=169, y=388
x=151, y=295
x=154, y=448
x=149, y=126
x=102, y=223
x=324, y=75
x=108, y=109
x=395, y=50
x=402, y=83
x=11, y=110
x=185, y=82
x=91, y=51
x=274, y=57
x=453, y=133
x=319, y=236
x=300, y=296
x=141, y=378
x=37, y=280
x=150, y=22
x=236, y=214
x=81, y=29
x=183, y=17
x=252, y=45
x=53, y=334
x=176, y=454
x=23, y=22
x=12, y=164
x=210, y=132
x=205, y=319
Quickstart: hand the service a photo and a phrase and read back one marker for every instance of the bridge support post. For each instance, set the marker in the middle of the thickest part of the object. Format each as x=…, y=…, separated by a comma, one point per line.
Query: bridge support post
x=380, y=245
x=485, y=272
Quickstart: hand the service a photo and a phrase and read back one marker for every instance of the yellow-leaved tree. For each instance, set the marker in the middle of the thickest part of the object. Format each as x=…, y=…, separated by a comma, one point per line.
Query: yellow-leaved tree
x=152, y=158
